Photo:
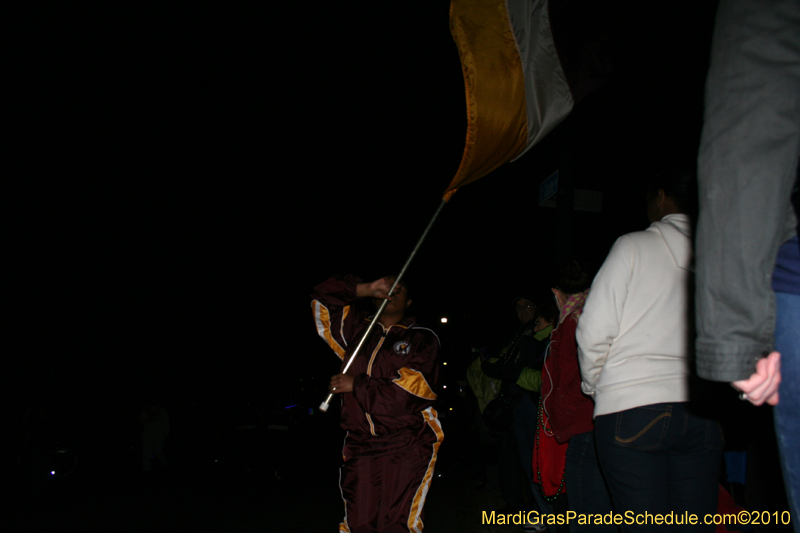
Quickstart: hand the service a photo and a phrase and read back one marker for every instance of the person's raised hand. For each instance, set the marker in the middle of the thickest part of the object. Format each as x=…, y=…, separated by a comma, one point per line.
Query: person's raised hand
x=380, y=288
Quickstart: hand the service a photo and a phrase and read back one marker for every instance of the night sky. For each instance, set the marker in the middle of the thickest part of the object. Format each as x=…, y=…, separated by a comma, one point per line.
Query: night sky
x=186, y=174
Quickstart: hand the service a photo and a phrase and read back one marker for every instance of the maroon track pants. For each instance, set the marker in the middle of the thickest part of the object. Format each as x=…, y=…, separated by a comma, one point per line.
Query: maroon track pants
x=386, y=493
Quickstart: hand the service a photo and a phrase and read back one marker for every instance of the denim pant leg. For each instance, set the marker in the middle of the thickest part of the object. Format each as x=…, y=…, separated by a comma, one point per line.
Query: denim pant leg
x=660, y=459
x=587, y=492
x=787, y=412
x=695, y=459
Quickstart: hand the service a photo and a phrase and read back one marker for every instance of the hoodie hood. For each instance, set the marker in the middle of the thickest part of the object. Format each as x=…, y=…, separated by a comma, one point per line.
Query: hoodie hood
x=676, y=230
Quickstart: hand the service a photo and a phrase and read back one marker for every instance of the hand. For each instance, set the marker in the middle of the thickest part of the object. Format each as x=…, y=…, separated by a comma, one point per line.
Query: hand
x=762, y=386
x=376, y=289
x=341, y=383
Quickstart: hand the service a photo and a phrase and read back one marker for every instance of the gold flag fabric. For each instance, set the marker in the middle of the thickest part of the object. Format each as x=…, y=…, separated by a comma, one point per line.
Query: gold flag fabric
x=516, y=89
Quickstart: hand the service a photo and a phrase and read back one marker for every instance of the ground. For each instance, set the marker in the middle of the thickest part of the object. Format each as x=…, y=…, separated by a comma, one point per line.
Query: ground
x=118, y=498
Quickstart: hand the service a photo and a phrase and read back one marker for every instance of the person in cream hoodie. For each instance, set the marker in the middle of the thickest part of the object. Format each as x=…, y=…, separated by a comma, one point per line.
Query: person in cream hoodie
x=634, y=348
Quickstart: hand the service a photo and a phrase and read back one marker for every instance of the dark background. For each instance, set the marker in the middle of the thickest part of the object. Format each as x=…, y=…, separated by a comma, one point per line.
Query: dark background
x=184, y=175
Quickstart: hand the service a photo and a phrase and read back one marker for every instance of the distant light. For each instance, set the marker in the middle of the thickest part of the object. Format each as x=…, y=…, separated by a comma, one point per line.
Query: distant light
x=290, y=406
x=310, y=411
x=451, y=408
x=444, y=320
x=444, y=386
x=52, y=472
x=445, y=363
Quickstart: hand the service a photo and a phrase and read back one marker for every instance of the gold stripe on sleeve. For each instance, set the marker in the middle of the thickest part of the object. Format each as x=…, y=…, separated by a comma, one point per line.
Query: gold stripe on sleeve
x=322, y=319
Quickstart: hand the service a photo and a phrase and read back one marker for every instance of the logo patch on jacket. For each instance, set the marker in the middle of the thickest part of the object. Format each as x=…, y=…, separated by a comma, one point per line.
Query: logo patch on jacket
x=402, y=347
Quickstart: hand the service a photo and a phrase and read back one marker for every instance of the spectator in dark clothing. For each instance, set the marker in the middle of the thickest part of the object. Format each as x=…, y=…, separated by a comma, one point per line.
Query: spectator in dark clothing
x=526, y=350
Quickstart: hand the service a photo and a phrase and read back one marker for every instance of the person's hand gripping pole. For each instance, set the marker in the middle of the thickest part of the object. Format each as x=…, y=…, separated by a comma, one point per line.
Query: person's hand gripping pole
x=379, y=291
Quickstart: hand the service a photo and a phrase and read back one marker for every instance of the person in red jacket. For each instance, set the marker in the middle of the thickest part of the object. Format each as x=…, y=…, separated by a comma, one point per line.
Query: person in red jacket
x=393, y=431
x=566, y=414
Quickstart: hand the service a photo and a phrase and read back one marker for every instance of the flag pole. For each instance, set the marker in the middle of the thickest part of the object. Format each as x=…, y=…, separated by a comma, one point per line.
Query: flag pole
x=324, y=405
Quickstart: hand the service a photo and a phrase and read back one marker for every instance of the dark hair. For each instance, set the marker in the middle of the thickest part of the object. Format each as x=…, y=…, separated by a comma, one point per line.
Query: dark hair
x=546, y=307
x=571, y=277
x=679, y=182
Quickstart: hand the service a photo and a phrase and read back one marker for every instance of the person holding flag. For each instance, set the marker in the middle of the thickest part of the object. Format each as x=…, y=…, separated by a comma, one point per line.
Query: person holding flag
x=393, y=431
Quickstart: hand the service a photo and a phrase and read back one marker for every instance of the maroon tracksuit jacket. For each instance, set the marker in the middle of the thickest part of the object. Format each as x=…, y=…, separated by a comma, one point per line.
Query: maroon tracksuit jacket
x=393, y=433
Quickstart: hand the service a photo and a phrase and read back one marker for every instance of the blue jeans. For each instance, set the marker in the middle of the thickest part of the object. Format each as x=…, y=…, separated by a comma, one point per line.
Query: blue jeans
x=587, y=492
x=787, y=412
x=660, y=458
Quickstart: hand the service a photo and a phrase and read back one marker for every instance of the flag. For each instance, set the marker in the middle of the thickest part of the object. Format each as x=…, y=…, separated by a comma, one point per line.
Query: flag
x=526, y=63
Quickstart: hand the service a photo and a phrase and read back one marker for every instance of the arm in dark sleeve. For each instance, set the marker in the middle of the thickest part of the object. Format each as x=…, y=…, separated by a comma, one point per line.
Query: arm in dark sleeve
x=747, y=165
x=571, y=370
x=561, y=373
x=412, y=390
x=333, y=316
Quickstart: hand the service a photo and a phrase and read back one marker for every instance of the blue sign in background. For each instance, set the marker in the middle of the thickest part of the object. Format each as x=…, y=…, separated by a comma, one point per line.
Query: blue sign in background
x=548, y=187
